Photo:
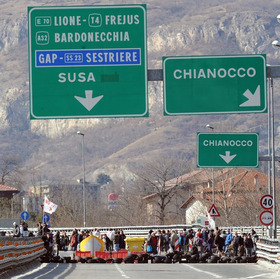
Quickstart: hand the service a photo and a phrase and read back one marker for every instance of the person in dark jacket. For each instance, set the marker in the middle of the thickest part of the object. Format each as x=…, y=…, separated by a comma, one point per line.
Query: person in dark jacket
x=64, y=241
x=220, y=242
x=237, y=242
x=249, y=245
x=210, y=243
x=205, y=234
x=116, y=241
x=122, y=240
x=57, y=240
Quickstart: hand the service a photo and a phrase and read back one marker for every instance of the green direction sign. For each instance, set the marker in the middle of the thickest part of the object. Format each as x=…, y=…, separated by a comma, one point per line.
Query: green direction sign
x=214, y=84
x=227, y=150
x=88, y=61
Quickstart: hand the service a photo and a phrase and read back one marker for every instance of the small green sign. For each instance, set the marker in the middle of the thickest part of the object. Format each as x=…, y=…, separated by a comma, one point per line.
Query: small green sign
x=88, y=61
x=227, y=150
x=214, y=84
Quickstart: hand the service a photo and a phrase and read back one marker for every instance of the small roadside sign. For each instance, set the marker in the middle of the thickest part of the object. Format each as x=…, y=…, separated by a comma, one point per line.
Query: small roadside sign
x=24, y=215
x=46, y=218
x=266, y=218
x=266, y=202
x=213, y=211
x=203, y=221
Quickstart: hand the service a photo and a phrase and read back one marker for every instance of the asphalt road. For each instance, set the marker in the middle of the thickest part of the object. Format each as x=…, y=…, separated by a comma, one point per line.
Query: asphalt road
x=153, y=271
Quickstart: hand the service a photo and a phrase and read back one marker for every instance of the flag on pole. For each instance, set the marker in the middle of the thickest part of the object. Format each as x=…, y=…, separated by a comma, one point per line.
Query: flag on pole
x=211, y=221
x=49, y=207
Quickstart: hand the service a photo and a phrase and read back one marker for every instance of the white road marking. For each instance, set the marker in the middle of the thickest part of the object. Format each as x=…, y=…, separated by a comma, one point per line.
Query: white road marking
x=202, y=271
x=42, y=266
x=56, y=266
x=65, y=271
x=121, y=271
x=259, y=275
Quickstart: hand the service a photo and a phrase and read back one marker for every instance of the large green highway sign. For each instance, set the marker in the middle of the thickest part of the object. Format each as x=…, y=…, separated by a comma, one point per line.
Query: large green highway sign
x=88, y=61
x=227, y=150
x=214, y=84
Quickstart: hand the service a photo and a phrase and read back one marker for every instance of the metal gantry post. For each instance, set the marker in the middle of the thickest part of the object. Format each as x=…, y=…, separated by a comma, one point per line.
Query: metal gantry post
x=274, y=226
x=84, y=176
x=84, y=180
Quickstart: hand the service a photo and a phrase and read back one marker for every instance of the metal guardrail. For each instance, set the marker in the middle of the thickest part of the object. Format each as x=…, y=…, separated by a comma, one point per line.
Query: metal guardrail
x=143, y=230
x=268, y=249
x=15, y=251
x=129, y=230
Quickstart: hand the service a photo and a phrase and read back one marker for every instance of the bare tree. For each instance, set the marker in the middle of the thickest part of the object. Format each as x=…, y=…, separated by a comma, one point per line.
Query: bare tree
x=10, y=171
x=238, y=197
x=130, y=205
x=228, y=200
x=155, y=175
x=10, y=175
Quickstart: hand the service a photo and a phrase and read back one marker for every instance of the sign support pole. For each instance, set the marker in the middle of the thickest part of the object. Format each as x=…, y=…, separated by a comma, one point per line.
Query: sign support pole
x=274, y=226
x=269, y=135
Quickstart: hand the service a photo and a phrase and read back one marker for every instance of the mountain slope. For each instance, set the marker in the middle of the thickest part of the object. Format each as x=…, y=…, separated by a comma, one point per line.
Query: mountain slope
x=50, y=149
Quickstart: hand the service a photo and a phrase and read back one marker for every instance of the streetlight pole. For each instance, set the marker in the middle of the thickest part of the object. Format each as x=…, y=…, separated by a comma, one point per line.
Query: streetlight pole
x=84, y=176
x=213, y=180
x=275, y=45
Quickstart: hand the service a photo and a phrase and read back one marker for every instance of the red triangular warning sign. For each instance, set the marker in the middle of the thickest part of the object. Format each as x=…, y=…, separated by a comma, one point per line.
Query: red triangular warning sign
x=213, y=211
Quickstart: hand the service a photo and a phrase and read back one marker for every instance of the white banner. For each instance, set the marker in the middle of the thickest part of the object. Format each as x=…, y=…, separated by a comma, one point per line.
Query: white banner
x=49, y=207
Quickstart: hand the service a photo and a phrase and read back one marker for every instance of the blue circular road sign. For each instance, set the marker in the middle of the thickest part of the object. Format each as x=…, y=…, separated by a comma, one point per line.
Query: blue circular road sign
x=24, y=215
x=46, y=218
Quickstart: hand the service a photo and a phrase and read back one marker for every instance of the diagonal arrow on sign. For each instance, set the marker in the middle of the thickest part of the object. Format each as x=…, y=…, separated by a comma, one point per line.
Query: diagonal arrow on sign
x=227, y=158
x=89, y=102
x=254, y=100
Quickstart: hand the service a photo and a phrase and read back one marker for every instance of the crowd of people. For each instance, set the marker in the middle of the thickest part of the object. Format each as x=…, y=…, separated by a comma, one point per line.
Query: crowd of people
x=114, y=240
x=20, y=230
x=203, y=240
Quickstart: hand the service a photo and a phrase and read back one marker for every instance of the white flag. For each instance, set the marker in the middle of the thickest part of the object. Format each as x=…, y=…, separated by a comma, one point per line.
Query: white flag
x=211, y=221
x=49, y=207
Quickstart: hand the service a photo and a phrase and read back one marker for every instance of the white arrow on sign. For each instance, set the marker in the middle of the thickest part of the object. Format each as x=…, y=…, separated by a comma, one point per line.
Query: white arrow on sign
x=227, y=158
x=88, y=102
x=254, y=100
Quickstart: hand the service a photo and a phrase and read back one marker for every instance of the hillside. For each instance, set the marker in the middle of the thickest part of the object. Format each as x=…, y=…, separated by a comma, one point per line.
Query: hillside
x=51, y=149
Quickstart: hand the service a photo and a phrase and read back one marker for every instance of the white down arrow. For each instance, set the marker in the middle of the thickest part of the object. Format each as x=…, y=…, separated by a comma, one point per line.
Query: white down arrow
x=88, y=102
x=227, y=158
